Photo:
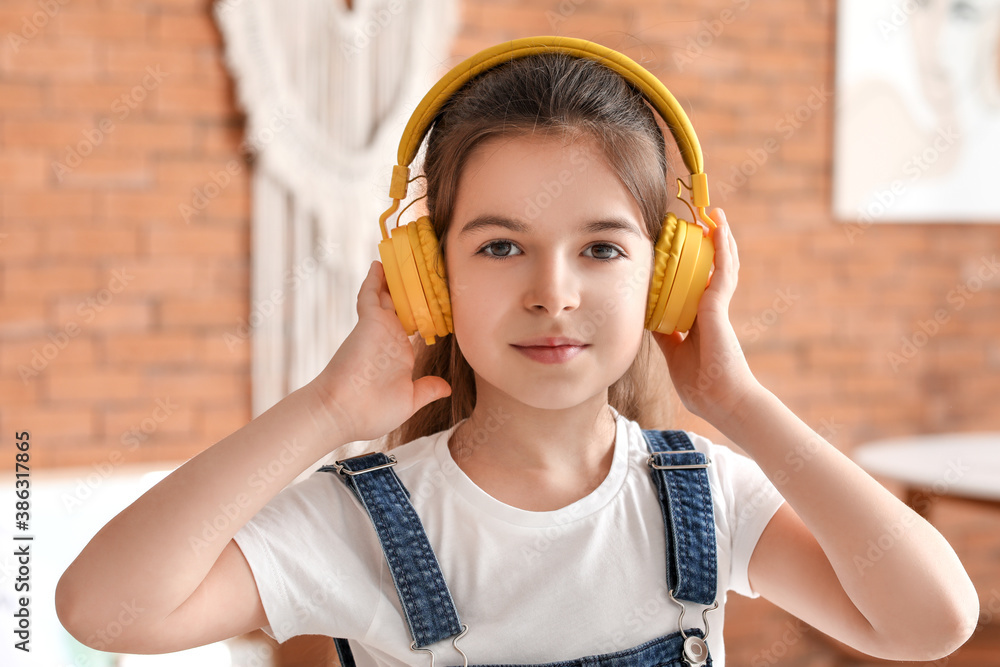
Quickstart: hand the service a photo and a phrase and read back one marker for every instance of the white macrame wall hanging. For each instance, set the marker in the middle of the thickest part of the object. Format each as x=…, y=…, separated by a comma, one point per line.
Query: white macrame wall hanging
x=327, y=91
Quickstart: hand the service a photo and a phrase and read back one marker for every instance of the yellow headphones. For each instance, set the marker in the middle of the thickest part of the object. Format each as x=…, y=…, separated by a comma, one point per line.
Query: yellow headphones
x=683, y=254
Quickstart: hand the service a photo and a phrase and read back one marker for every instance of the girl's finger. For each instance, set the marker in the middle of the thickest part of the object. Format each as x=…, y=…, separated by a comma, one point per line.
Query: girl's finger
x=733, y=250
x=382, y=287
x=723, y=278
x=368, y=292
x=730, y=243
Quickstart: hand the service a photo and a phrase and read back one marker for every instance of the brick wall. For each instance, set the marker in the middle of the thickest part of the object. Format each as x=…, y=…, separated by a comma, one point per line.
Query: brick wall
x=114, y=115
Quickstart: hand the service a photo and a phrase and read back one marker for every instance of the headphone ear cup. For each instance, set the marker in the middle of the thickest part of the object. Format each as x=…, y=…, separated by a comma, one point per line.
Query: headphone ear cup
x=413, y=291
x=666, y=254
x=415, y=274
x=699, y=282
x=430, y=264
x=394, y=280
x=684, y=278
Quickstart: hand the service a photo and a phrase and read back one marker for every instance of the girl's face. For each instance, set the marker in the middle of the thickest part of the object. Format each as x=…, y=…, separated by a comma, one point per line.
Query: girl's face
x=546, y=241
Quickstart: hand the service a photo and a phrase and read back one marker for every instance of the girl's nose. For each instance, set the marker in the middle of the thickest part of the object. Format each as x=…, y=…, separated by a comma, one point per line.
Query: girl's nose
x=553, y=286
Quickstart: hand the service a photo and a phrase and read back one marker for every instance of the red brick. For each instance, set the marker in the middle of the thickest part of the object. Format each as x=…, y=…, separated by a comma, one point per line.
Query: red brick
x=51, y=61
x=23, y=23
x=171, y=348
x=179, y=311
x=48, y=279
x=187, y=30
x=604, y=27
x=47, y=422
x=85, y=241
x=830, y=358
x=127, y=62
x=226, y=277
x=201, y=240
x=79, y=454
x=147, y=205
x=506, y=21
x=12, y=17
x=20, y=315
x=226, y=348
x=160, y=137
x=155, y=276
x=148, y=417
x=212, y=70
x=115, y=101
x=194, y=171
x=106, y=170
x=174, y=5
x=23, y=169
x=198, y=206
x=101, y=25
x=191, y=100
x=29, y=358
x=81, y=386
x=50, y=133
x=18, y=239
x=203, y=388
x=21, y=97
x=17, y=394
x=98, y=312
x=813, y=35
x=223, y=141
x=83, y=166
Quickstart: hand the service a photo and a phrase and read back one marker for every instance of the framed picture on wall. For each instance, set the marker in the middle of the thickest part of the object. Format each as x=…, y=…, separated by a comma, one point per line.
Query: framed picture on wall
x=917, y=134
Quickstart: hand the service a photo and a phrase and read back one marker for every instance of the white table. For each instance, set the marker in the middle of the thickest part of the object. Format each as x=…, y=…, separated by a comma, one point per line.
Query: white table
x=957, y=465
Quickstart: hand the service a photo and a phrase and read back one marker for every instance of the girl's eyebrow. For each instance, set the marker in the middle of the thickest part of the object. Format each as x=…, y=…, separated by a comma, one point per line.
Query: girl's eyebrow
x=488, y=220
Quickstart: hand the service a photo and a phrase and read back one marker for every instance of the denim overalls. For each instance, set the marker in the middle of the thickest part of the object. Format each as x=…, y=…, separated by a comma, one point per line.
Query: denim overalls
x=685, y=499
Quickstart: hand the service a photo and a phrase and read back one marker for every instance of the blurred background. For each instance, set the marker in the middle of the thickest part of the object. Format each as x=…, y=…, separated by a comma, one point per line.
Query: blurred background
x=189, y=198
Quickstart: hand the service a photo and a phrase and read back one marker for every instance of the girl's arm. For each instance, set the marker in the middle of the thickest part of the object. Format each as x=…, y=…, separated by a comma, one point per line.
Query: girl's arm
x=915, y=601
x=157, y=564
x=165, y=573
x=844, y=554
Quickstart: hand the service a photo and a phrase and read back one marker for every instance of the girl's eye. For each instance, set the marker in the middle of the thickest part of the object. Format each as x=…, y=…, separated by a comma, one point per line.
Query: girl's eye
x=503, y=249
x=604, y=248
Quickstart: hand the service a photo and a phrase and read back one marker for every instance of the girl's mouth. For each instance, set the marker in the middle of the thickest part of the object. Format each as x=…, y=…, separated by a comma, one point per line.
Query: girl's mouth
x=554, y=354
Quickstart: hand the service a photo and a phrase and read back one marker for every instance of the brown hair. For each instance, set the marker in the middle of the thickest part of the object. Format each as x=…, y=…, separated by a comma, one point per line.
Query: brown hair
x=552, y=94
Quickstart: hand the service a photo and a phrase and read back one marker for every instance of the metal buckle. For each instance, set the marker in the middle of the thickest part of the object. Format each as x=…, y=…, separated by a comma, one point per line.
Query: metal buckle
x=340, y=468
x=454, y=642
x=695, y=648
x=687, y=466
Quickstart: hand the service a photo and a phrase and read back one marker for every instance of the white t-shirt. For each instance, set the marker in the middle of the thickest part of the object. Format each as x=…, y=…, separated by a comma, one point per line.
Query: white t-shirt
x=533, y=587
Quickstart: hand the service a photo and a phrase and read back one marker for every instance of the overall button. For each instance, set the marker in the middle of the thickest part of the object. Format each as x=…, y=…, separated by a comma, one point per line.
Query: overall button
x=695, y=651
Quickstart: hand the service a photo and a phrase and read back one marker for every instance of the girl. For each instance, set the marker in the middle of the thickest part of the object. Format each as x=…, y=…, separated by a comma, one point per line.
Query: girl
x=546, y=182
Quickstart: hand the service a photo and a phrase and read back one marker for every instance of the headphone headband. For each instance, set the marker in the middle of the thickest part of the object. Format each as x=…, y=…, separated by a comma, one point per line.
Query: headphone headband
x=651, y=87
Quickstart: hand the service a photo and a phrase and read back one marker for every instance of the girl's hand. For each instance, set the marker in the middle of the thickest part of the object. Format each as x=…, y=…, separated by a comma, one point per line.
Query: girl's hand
x=367, y=388
x=706, y=364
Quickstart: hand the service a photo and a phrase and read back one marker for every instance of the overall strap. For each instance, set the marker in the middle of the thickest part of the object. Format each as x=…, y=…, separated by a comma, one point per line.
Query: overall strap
x=344, y=653
x=681, y=478
x=427, y=603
